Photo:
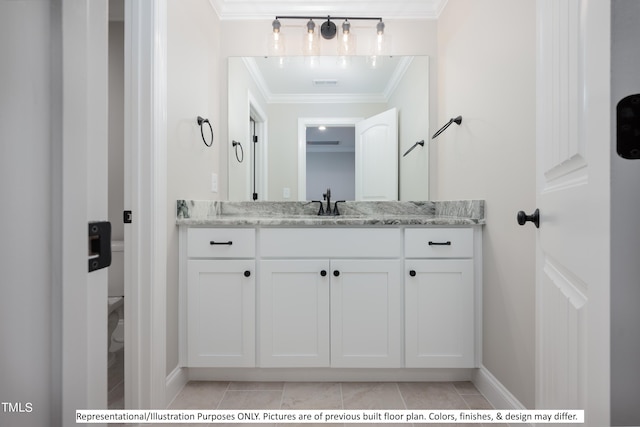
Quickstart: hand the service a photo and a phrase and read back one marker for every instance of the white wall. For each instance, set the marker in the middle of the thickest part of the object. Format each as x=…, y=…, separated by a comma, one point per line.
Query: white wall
x=30, y=357
x=410, y=98
x=193, y=80
x=486, y=73
x=625, y=233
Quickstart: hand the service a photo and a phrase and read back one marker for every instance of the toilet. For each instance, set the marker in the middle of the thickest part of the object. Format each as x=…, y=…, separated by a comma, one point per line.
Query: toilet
x=115, y=335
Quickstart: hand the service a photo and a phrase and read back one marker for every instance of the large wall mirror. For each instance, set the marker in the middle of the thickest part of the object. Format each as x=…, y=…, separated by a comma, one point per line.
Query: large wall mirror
x=300, y=125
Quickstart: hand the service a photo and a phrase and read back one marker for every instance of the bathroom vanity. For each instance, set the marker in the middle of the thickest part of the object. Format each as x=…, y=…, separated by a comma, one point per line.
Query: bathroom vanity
x=383, y=285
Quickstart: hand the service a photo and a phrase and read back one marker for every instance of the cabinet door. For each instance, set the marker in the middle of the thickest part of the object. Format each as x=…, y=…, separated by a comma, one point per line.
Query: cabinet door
x=366, y=323
x=221, y=315
x=294, y=313
x=439, y=314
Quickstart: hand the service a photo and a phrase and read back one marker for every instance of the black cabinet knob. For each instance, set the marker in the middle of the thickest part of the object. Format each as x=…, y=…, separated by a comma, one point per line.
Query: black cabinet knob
x=336, y=273
x=323, y=273
x=247, y=273
x=534, y=218
x=412, y=273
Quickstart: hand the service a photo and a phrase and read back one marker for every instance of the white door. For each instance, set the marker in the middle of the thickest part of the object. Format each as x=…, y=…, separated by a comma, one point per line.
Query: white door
x=573, y=175
x=294, y=313
x=84, y=198
x=366, y=323
x=377, y=157
x=439, y=313
x=221, y=321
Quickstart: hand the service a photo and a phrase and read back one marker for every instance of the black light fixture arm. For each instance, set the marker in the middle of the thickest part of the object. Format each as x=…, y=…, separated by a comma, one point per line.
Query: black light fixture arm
x=456, y=120
x=328, y=29
x=329, y=17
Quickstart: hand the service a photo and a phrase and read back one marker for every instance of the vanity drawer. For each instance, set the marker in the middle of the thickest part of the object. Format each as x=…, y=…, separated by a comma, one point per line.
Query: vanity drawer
x=330, y=243
x=438, y=243
x=221, y=243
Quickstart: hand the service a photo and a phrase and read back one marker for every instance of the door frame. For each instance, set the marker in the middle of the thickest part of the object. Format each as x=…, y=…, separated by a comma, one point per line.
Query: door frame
x=81, y=170
x=146, y=196
x=303, y=124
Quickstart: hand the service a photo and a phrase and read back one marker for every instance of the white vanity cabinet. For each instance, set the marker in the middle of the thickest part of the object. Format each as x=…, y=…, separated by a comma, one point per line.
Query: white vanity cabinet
x=319, y=307
x=440, y=302
x=349, y=297
x=220, y=296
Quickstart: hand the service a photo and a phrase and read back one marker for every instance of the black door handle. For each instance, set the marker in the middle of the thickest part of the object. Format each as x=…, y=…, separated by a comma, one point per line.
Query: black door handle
x=534, y=218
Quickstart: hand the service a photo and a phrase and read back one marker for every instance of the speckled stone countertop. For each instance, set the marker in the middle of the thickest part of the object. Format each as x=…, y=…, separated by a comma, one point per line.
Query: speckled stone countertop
x=201, y=213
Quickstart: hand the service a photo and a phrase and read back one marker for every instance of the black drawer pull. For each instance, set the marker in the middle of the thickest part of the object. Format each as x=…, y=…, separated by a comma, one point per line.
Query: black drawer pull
x=323, y=273
x=336, y=273
x=412, y=273
x=439, y=243
x=213, y=243
x=247, y=273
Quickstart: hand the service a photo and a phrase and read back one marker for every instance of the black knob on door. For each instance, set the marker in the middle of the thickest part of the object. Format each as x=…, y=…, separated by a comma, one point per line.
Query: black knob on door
x=323, y=273
x=247, y=273
x=412, y=273
x=534, y=217
x=336, y=273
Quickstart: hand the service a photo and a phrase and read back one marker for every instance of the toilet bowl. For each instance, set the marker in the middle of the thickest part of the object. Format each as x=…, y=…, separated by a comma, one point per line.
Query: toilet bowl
x=115, y=337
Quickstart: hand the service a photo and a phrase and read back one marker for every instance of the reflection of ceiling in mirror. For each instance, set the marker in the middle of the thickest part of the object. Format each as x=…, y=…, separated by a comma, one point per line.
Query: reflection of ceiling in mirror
x=306, y=79
x=388, y=9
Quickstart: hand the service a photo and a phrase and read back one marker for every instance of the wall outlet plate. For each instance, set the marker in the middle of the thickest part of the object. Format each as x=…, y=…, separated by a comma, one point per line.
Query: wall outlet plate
x=214, y=182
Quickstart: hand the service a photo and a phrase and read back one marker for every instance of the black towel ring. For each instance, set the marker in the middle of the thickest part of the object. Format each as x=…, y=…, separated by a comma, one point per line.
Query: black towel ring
x=200, y=122
x=236, y=144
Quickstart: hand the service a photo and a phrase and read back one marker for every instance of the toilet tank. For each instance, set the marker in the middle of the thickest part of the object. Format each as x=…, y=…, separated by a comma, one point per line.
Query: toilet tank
x=116, y=269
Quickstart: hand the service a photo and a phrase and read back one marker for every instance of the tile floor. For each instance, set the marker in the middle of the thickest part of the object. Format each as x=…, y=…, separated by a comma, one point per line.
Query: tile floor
x=116, y=382
x=348, y=395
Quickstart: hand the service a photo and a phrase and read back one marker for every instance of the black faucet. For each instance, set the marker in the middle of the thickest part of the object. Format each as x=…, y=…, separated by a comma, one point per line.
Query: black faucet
x=327, y=197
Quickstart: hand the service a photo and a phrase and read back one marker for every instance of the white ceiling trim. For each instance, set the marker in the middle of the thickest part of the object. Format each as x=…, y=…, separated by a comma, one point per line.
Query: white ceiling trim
x=387, y=9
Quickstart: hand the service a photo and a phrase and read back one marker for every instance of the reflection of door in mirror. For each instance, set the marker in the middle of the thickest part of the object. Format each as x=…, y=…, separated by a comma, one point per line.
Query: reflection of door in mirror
x=356, y=158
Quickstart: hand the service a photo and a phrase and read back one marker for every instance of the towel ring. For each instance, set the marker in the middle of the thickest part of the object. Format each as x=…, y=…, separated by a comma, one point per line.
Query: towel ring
x=236, y=144
x=200, y=122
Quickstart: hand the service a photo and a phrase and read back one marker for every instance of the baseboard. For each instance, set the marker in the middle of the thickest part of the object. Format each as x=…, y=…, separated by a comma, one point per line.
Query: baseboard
x=493, y=390
x=175, y=381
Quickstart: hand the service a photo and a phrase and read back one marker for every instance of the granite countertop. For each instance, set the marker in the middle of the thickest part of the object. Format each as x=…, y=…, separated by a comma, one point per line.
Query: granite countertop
x=202, y=213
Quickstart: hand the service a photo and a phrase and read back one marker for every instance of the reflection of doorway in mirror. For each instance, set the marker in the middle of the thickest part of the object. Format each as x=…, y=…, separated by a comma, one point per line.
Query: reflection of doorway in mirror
x=375, y=152
x=331, y=162
x=257, y=146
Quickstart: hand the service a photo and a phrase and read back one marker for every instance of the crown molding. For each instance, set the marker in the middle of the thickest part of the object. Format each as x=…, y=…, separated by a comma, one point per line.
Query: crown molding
x=388, y=9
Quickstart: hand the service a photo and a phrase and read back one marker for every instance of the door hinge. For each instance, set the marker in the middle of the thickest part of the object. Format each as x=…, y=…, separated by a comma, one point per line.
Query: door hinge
x=127, y=217
x=255, y=139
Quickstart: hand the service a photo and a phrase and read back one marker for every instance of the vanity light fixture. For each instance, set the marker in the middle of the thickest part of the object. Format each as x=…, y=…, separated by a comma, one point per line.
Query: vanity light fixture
x=328, y=31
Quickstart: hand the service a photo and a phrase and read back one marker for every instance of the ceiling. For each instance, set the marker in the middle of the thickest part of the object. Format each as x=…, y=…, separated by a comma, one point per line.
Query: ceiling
x=328, y=80
x=388, y=9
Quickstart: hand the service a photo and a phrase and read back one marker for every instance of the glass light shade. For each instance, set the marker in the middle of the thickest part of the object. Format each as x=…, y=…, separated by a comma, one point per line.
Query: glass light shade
x=311, y=43
x=276, y=46
x=347, y=44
